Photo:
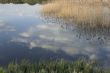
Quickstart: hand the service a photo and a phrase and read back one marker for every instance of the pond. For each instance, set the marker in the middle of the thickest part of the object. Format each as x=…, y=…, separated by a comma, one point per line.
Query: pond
x=26, y=34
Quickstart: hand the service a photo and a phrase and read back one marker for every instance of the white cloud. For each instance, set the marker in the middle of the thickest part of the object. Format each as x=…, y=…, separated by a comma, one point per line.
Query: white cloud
x=48, y=27
x=6, y=27
x=32, y=45
x=22, y=40
x=2, y=24
x=46, y=37
x=25, y=34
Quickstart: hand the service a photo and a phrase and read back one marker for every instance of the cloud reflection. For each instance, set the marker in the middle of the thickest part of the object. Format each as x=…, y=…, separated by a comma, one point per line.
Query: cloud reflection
x=52, y=37
x=4, y=26
x=49, y=35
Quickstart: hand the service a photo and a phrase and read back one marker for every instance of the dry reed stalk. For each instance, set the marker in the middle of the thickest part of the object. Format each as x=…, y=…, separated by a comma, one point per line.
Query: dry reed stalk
x=82, y=12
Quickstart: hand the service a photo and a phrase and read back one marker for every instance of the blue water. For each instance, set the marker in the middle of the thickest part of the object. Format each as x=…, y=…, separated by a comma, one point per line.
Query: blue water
x=25, y=34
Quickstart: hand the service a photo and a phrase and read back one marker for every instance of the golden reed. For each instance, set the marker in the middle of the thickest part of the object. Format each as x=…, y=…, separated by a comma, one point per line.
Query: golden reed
x=90, y=13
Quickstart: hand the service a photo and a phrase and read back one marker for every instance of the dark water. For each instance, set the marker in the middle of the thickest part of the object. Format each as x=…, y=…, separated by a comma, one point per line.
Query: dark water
x=24, y=34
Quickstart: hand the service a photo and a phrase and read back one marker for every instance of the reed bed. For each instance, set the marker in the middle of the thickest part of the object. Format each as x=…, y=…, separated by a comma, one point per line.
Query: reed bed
x=92, y=13
x=91, y=18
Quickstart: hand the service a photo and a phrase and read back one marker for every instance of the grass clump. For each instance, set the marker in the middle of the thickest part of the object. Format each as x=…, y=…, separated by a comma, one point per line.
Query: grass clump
x=58, y=66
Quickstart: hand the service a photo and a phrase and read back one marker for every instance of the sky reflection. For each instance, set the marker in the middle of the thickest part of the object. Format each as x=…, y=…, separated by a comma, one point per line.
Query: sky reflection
x=24, y=24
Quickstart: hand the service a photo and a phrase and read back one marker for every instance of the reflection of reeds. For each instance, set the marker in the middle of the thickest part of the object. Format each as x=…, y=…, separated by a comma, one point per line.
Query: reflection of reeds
x=82, y=12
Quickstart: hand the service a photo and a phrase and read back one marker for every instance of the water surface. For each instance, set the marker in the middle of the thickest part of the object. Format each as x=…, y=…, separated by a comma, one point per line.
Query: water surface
x=25, y=34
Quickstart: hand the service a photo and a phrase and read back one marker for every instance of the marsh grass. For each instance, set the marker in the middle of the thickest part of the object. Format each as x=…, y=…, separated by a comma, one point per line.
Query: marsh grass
x=90, y=17
x=90, y=13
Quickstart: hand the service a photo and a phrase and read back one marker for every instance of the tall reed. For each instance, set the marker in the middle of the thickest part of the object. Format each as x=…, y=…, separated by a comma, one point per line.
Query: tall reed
x=82, y=12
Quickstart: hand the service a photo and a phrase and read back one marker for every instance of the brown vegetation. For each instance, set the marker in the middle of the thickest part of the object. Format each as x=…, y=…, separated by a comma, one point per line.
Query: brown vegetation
x=82, y=12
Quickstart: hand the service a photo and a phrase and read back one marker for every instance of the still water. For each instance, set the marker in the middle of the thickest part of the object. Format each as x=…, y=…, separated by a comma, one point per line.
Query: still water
x=25, y=34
